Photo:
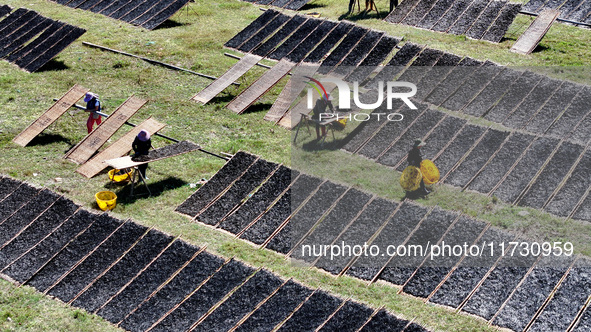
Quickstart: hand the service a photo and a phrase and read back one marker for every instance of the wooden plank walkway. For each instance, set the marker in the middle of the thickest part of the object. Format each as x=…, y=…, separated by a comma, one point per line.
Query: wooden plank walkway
x=51, y=115
x=530, y=39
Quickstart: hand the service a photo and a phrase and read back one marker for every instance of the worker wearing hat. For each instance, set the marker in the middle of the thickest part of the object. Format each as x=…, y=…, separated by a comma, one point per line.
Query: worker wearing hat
x=415, y=156
x=93, y=105
x=141, y=147
x=320, y=108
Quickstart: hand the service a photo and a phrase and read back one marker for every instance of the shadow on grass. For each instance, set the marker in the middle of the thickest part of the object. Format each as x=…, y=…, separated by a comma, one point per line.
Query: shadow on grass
x=170, y=24
x=140, y=191
x=363, y=15
x=53, y=65
x=226, y=98
x=310, y=6
x=46, y=139
x=258, y=108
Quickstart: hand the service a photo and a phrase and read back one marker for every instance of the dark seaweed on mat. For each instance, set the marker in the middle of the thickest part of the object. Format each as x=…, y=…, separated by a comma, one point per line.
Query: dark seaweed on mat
x=440, y=70
x=329, y=42
x=17, y=197
x=349, y=318
x=486, y=18
x=436, y=12
x=472, y=269
x=358, y=53
x=400, y=12
x=167, y=151
x=498, y=285
x=552, y=175
x=386, y=322
x=465, y=21
x=188, y=279
x=226, y=175
x=530, y=105
x=256, y=39
x=440, y=136
x=5, y=9
x=494, y=171
x=306, y=217
x=373, y=59
x=313, y=39
x=448, y=19
x=430, y=230
x=394, y=233
x=312, y=313
x=88, y=4
x=146, y=249
x=559, y=101
x=432, y=272
x=37, y=230
x=253, y=177
x=13, y=17
x=530, y=296
x=578, y=108
x=46, y=46
x=242, y=302
x=184, y=316
x=21, y=52
x=286, y=30
x=517, y=92
x=294, y=40
x=492, y=92
x=7, y=186
x=567, y=301
x=359, y=232
x=296, y=4
x=344, y=47
x=451, y=82
x=458, y=147
x=421, y=9
x=103, y=226
x=151, y=12
x=23, y=268
x=259, y=202
x=477, y=158
x=11, y=45
x=140, y=8
x=287, y=204
x=335, y=222
x=54, y=50
x=276, y=308
x=573, y=189
x=26, y=214
x=500, y=26
x=97, y=262
x=584, y=211
x=521, y=175
x=472, y=86
x=148, y=281
x=163, y=15
x=396, y=64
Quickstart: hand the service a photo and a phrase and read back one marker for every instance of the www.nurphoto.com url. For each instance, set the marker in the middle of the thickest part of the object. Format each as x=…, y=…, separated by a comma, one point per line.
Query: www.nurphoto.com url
x=439, y=250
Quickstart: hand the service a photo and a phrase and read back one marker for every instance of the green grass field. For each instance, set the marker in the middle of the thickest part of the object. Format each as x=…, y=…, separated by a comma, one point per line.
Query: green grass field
x=194, y=39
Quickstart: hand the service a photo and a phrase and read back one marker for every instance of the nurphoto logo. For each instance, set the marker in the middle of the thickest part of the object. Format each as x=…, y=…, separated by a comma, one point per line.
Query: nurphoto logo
x=344, y=101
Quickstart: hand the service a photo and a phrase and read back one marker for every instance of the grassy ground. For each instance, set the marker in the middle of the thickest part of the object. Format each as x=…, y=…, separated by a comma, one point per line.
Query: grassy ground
x=194, y=39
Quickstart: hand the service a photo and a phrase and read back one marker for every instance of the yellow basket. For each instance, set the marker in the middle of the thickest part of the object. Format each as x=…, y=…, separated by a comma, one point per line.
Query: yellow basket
x=119, y=177
x=106, y=200
x=430, y=172
x=410, y=180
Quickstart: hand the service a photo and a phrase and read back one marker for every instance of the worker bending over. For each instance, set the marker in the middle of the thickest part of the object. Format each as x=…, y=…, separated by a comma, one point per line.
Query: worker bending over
x=320, y=108
x=141, y=147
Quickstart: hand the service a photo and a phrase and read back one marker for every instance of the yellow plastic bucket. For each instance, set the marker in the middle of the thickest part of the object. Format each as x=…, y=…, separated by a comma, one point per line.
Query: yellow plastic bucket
x=430, y=172
x=106, y=200
x=410, y=180
x=115, y=175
